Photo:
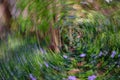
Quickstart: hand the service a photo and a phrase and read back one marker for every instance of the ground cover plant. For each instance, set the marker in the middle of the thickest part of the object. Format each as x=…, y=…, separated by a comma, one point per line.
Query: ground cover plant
x=89, y=41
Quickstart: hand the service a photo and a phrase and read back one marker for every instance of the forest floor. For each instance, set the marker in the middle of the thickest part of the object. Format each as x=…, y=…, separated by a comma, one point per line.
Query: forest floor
x=90, y=51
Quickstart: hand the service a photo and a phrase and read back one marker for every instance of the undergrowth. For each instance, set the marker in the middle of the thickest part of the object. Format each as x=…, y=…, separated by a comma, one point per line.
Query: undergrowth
x=90, y=50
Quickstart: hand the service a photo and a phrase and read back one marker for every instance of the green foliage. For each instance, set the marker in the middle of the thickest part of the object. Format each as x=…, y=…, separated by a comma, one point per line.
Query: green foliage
x=35, y=15
x=94, y=34
x=22, y=59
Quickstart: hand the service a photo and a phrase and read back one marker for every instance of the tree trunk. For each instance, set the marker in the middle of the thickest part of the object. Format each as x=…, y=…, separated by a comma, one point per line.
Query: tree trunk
x=54, y=32
x=5, y=17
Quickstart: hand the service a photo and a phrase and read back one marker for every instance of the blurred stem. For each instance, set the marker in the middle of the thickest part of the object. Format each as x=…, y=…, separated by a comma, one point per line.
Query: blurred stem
x=37, y=35
x=70, y=34
x=55, y=11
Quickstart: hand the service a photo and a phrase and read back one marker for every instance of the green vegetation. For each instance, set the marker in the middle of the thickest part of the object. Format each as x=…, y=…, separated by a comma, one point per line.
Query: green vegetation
x=90, y=43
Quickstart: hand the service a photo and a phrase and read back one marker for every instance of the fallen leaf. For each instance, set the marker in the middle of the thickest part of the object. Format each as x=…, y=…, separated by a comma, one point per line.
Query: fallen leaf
x=99, y=64
x=80, y=64
x=73, y=71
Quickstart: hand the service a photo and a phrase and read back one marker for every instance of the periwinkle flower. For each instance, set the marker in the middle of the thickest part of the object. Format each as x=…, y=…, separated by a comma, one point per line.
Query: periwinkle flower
x=100, y=54
x=32, y=77
x=72, y=78
x=42, y=51
x=46, y=64
x=113, y=54
x=82, y=55
x=65, y=56
x=92, y=77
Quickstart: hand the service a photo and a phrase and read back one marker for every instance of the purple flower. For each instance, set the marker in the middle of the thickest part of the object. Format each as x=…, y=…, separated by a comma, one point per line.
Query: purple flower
x=46, y=64
x=93, y=77
x=65, y=56
x=32, y=77
x=100, y=54
x=82, y=55
x=72, y=78
x=42, y=51
x=113, y=54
